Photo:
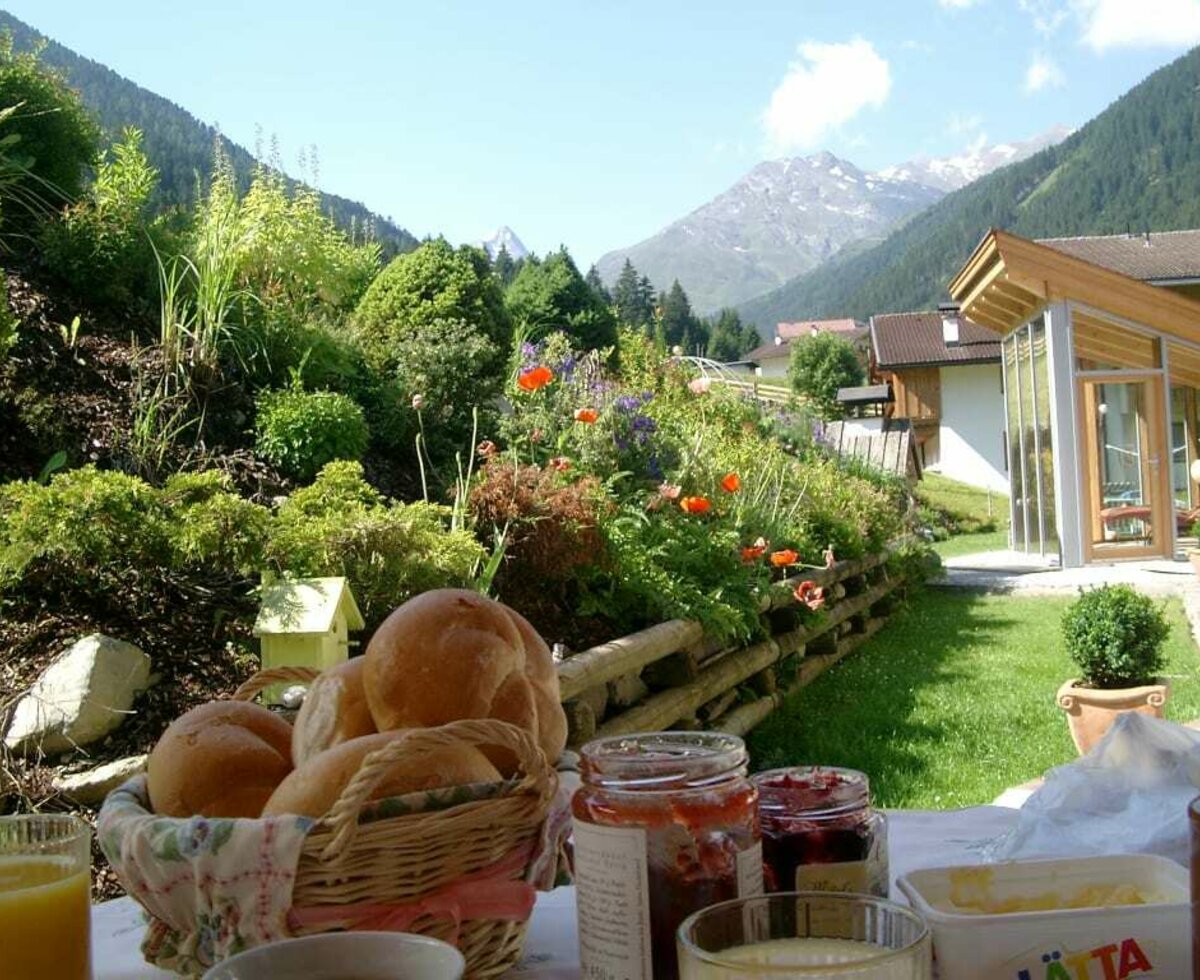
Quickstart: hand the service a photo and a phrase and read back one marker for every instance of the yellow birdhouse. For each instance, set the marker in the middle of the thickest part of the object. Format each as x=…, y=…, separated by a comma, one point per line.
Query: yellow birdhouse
x=306, y=622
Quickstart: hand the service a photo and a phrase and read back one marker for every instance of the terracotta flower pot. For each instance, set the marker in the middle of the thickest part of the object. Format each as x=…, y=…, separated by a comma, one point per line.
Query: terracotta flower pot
x=1091, y=711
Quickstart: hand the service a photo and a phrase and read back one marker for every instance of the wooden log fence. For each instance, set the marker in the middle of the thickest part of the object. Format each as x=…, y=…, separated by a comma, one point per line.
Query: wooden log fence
x=691, y=681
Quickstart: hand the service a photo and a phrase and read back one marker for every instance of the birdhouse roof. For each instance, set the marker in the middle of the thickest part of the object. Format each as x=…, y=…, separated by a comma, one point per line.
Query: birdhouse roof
x=306, y=605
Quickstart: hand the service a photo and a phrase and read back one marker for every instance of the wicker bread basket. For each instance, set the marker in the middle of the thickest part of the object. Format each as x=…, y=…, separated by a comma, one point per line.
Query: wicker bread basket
x=406, y=861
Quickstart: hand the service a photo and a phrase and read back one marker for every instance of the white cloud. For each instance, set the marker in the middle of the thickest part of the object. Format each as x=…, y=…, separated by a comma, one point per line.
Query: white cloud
x=1141, y=24
x=1042, y=73
x=1047, y=15
x=827, y=86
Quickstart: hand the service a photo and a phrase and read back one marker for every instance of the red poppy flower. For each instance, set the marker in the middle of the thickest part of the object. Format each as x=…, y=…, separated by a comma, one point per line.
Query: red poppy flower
x=560, y=463
x=486, y=448
x=753, y=553
x=781, y=559
x=535, y=378
x=810, y=594
x=732, y=483
x=587, y=415
x=694, y=505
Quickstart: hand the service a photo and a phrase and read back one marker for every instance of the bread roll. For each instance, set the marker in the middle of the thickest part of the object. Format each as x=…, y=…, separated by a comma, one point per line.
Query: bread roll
x=334, y=711
x=221, y=759
x=450, y=654
x=313, y=788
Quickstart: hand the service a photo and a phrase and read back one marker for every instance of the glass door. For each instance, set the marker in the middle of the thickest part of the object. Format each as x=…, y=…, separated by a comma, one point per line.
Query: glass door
x=1127, y=475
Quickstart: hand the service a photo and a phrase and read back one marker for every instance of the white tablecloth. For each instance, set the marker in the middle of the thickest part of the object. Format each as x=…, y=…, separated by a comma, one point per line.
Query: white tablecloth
x=916, y=839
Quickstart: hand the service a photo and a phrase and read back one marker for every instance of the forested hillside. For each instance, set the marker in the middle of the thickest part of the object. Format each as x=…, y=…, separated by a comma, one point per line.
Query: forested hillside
x=177, y=143
x=1135, y=167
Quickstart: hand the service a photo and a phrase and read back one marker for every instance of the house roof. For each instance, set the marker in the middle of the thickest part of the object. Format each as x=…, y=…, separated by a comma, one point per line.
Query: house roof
x=1008, y=279
x=784, y=347
x=306, y=605
x=915, y=339
x=865, y=394
x=1160, y=257
x=802, y=328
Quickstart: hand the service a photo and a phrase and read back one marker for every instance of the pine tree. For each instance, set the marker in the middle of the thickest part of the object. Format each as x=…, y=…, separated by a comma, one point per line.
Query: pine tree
x=552, y=295
x=504, y=267
x=725, y=336
x=679, y=323
x=633, y=298
x=593, y=279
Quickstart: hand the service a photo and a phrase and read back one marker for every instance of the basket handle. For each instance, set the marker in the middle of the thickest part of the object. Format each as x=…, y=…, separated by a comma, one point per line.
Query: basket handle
x=538, y=778
x=265, y=678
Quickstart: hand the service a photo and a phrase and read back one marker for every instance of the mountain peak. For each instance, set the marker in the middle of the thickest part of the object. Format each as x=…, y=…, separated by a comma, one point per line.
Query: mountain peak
x=504, y=237
x=981, y=158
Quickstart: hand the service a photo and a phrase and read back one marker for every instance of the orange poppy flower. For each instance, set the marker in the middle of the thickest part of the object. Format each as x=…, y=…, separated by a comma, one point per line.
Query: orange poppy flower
x=670, y=490
x=781, y=559
x=560, y=463
x=753, y=553
x=587, y=415
x=810, y=594
x=694, y=505
x=535, y=378
x=732, y=483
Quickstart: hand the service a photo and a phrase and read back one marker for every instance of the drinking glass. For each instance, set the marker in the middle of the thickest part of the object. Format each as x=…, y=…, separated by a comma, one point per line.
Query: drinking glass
x=45, y=898
x=810, y=935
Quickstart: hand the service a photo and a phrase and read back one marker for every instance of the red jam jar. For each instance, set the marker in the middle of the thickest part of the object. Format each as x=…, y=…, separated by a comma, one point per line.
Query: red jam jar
x=665, y=824
x=820, y=833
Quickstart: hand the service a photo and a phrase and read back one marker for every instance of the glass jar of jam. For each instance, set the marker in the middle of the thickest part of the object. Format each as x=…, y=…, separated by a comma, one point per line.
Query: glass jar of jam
x=665, y=824
x=820, y=833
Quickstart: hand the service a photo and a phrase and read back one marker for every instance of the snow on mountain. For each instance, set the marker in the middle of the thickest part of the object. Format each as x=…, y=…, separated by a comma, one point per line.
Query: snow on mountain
x=504, y=237
x=952, y=172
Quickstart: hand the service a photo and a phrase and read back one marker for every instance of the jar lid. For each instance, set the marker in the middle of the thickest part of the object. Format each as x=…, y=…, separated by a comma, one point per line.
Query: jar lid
x=663, y=760
x=812, y=791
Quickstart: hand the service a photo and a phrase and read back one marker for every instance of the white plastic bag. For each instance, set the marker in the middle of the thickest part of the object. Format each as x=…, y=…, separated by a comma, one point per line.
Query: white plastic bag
x=1129, y=795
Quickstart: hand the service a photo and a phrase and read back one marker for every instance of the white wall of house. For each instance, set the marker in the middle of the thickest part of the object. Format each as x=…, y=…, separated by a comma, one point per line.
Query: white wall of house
x=773, y=367
x=970, y=438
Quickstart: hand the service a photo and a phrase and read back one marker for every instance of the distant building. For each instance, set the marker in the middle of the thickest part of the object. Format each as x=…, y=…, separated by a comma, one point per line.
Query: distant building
x=771, y=359
x=946, y=379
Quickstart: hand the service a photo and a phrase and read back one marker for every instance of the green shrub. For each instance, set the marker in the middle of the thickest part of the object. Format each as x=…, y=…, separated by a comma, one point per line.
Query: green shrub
x=437, y=282
x=9, y=324
x=100, y=245
x=819, y=366
x=57, y=137
x=300, y=431
x=1115, y=635
x=455, y=369
x=389, y=552
x=89, y=526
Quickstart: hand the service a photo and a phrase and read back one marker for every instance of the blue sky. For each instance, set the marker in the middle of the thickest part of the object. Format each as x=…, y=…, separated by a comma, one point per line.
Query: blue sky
x=593, y=125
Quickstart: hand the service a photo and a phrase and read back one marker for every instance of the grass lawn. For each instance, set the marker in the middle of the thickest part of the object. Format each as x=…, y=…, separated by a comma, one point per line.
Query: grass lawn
x=953, y=701
x=965, y=502
x=970, y=544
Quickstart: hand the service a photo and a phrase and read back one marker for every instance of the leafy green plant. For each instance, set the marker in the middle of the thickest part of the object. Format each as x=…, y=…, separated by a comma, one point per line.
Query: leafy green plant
x=1115, y=635
x=340, y=525
x=300, y=431
x=100, y=245
x=9, y=324
x=819, y=366
x=56, y=138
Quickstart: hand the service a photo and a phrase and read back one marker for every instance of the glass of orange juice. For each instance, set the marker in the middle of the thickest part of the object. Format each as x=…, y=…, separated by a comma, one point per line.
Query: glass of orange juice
x=45, y=897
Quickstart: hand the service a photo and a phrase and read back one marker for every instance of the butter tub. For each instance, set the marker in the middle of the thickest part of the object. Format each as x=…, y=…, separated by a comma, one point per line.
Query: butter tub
x=1119, y=942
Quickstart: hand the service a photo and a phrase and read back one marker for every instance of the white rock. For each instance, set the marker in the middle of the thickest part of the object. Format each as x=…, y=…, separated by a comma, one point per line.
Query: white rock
x=81, y=697
x=95, y=784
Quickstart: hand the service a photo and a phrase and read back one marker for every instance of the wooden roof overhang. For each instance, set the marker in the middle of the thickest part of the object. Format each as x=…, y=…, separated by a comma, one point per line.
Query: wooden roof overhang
x=1009, y=279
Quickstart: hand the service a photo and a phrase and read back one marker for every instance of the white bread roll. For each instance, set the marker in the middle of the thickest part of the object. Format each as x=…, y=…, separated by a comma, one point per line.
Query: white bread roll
x=313, y=788
x=221, y=759
x=449, y=654
x=334, y=711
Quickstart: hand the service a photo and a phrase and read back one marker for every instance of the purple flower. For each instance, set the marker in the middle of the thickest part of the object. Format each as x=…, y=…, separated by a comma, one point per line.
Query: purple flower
x=643, y=423
x=653, y=468
x=567, y=368
x=647, y=397
x=628, y=403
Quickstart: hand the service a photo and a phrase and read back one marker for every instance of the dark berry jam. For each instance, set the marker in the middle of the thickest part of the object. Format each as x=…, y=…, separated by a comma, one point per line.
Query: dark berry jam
x=820, y=833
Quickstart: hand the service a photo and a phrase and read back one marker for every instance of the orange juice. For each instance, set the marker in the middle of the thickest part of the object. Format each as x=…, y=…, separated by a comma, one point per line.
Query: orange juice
x=45, y=918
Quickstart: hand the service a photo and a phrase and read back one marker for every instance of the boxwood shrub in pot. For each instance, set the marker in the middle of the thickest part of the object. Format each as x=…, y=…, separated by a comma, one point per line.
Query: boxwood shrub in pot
x=1115, y=635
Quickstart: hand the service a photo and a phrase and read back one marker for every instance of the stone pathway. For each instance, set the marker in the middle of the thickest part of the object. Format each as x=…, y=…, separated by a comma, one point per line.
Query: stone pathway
x=1013, y=572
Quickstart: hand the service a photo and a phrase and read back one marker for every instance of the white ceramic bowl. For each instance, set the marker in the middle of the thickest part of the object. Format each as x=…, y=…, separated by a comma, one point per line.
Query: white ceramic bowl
x=346, y=956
